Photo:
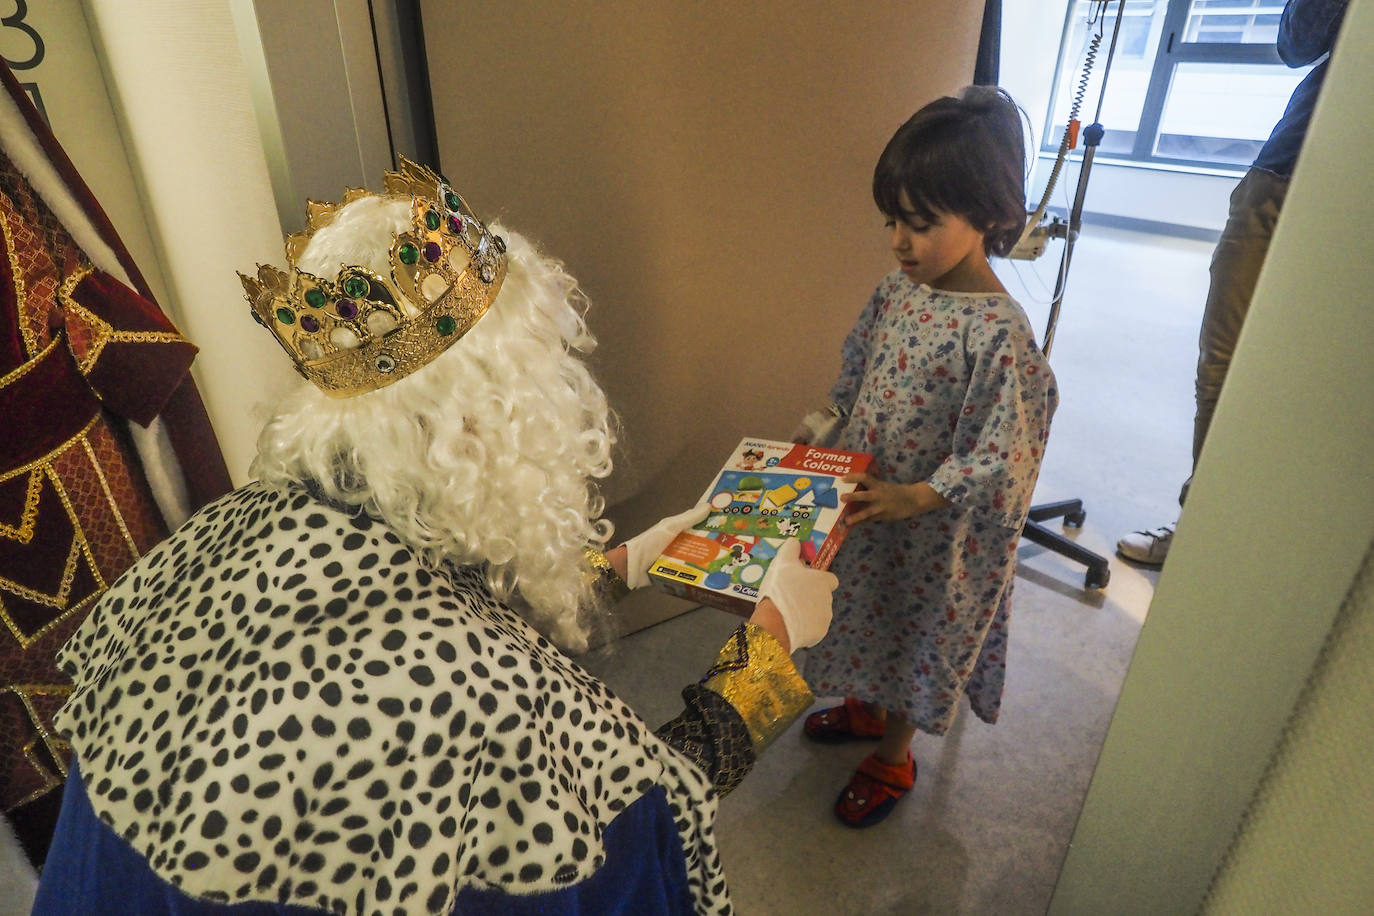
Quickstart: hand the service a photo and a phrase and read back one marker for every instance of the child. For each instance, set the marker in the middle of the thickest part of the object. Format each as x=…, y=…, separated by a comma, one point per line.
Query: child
x=943, y=383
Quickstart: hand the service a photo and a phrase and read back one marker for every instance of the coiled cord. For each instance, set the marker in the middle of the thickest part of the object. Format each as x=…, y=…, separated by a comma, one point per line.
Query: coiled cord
x=1070, y=138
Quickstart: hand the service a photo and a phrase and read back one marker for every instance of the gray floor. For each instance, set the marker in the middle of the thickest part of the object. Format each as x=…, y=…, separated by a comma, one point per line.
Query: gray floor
x=989, y=821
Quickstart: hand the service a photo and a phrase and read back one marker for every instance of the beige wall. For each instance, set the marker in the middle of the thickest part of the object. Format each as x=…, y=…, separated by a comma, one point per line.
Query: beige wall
x=1304, y=845
x=704, y=169
x=1278, y=522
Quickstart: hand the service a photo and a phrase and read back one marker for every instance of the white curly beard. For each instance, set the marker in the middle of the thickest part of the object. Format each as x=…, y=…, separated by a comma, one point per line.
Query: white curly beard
x=485, y=456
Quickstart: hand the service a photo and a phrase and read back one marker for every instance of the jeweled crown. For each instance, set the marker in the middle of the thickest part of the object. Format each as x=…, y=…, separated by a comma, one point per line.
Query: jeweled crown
x=358, y=331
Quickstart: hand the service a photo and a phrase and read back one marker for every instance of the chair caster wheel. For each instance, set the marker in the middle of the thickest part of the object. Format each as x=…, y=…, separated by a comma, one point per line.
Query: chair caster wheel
x=1097, y=578
x=1075, y=519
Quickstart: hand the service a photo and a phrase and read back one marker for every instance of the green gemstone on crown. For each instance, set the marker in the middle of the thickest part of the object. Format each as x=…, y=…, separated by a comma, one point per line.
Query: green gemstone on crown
x=313, y=298
x=286, y=316
x=445, y=325
x=409, y=253
x=431, y=220
x=452, y=200
x=356, y=287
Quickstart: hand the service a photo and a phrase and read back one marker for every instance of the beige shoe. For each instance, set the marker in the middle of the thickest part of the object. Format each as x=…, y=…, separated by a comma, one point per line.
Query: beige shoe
x=1148, y=548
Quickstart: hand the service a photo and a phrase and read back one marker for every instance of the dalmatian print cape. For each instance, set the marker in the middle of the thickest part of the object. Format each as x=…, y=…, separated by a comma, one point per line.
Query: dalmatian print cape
x=280, y=704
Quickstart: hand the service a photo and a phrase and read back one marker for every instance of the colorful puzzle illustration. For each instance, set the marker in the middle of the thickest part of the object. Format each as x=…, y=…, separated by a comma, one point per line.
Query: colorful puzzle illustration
x=768, y=492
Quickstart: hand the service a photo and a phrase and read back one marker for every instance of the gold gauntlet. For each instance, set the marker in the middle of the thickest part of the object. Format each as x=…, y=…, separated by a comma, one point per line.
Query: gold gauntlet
x=606, y=584
x=757, y=678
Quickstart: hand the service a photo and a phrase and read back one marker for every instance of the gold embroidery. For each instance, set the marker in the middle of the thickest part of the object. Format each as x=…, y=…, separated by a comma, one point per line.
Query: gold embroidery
x=76, y=528
x=23, y=532
x=17, y=275
x=755, y=675
x=16, y=374
x=606, y=585
x=51, y=456
x=26, y=641
x=42, y=465
x=106, y=334
x=109, y=497
x=59, y=598
x=57, y=746
x=80, y=548
x=64, y=292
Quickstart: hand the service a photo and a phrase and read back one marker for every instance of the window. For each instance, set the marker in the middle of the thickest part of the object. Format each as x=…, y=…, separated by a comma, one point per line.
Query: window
x=1192, y=83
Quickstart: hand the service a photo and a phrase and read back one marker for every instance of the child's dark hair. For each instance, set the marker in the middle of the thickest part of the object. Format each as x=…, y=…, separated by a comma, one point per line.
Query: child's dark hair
x=963, y=155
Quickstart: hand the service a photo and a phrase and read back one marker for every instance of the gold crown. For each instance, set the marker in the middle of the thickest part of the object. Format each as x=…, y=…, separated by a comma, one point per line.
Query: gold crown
x=360, y=331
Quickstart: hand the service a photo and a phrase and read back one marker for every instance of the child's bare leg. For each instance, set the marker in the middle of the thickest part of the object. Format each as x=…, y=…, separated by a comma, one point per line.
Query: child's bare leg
x=897, y=734
x=896, y=740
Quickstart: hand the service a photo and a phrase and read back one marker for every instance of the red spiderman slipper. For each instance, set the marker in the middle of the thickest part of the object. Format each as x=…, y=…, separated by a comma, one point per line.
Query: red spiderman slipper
x=850, y=722
x=874, y=790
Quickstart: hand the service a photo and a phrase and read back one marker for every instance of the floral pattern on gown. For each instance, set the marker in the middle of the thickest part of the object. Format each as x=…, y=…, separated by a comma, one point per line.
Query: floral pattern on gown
x=952, y=389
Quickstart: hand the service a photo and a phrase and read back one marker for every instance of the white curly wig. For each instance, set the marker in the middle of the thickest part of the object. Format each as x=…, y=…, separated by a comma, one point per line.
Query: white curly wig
x=486, y=456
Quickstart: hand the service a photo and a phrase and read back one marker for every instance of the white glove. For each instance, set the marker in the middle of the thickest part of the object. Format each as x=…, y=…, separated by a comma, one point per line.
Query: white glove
x=643, y=549
x=802, y=595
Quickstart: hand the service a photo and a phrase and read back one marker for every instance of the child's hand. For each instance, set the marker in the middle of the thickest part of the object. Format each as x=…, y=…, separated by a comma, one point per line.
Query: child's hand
x=805, y=433
x=819, y=426
x=882, y=501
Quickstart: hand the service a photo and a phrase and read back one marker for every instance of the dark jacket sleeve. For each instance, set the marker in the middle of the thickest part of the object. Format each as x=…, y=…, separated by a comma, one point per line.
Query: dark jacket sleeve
x=745, y=700
x=749, y=696
x=131, y=355
x=713, y=736
x=1308, y=28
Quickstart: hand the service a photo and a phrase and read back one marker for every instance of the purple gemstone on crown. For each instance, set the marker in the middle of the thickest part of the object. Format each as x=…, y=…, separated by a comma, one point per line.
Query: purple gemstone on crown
x=455, y=224
x=433, y=252
x=347, y=309
x=309, y=324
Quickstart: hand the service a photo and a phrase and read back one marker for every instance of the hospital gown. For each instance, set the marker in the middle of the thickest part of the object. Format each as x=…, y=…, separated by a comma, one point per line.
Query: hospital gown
x=951, y=389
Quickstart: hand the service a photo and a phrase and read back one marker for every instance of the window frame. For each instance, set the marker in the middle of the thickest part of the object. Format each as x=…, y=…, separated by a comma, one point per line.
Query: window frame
x=1171, y=52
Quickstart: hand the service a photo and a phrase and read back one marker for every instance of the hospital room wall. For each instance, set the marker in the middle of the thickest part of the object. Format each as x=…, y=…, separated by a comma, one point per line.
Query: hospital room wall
x=705, y=172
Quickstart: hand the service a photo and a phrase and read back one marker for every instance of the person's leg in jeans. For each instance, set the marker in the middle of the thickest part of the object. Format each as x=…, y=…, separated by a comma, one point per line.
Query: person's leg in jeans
x=1236, y=264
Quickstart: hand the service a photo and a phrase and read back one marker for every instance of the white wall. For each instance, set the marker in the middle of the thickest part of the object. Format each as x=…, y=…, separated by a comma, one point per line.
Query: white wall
x=176, y=77
x=1031, y=31
x=1278, y=520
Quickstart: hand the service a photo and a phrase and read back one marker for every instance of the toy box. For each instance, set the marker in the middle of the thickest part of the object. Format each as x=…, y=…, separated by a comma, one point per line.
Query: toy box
x=767, y=492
